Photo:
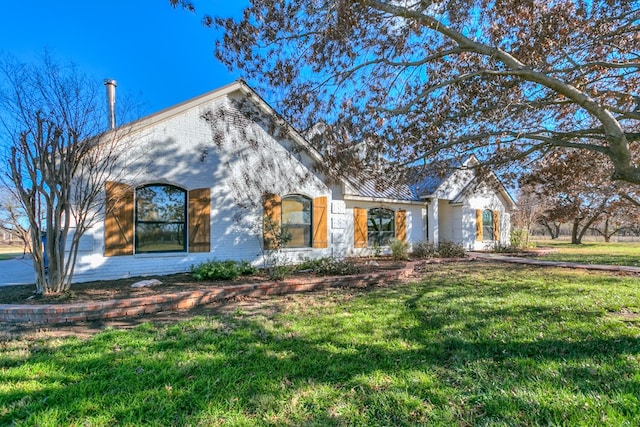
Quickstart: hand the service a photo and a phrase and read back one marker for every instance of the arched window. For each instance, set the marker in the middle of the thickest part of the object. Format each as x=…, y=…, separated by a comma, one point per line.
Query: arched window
x=160, y=219
x=296, y=219
x=381, y=226
x=487, y=225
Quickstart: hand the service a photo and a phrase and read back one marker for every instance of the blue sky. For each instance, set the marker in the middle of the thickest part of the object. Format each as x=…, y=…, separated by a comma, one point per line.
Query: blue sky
x=160, y=56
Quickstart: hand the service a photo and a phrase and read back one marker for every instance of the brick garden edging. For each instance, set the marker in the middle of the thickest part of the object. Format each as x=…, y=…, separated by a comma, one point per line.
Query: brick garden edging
x=75, y=312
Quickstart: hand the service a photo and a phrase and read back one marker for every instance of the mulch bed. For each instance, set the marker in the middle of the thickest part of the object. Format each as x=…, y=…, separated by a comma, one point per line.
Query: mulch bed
x=121, y=288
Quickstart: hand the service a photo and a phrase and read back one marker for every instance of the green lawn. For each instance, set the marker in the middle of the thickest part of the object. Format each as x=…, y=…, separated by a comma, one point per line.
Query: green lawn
x=9, y=252
x=627, y=253
x=470, y=344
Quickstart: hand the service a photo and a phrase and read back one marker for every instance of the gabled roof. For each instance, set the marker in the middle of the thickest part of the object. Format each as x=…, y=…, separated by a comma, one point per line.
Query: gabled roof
x=493, y=180
x=381, y=188
x=238, y=86
x=425, y=184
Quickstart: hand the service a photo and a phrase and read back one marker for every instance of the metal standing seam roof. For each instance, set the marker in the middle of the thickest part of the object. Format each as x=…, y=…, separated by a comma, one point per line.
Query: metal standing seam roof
x=381, y=188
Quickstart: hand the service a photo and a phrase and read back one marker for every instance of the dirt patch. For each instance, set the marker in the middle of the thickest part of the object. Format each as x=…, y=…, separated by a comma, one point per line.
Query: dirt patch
x=626, y=316
x=112, y=289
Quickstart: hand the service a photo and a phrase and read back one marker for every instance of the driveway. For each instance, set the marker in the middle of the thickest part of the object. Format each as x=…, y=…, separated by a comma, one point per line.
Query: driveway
x=17, y=271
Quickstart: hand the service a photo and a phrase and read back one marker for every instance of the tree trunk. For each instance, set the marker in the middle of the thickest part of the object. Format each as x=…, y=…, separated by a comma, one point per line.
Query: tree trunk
x=606, y=234
x=576, y=237
x=553, y=229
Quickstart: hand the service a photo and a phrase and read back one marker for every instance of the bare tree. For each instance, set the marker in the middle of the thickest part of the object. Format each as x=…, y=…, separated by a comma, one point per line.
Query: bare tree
x=13, y=218
x=531, y=208
x=620, y=217
x=57, y=159
x=417, y=79
x=574, y=188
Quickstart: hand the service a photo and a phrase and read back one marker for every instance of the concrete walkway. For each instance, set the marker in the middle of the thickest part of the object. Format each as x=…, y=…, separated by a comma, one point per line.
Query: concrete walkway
x=17, y=271
x=533, y=261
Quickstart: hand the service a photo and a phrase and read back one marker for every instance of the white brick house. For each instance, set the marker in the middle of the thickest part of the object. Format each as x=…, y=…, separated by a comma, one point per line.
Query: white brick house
x=201, y=176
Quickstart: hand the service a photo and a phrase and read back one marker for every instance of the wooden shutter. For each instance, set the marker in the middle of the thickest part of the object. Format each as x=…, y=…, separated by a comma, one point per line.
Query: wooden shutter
x=200, y=220
x=401, y=225
x=360, y=232
x=319, y=216
x=272, y=207
x=479, y=225
x=496, y=225
x=118, y=220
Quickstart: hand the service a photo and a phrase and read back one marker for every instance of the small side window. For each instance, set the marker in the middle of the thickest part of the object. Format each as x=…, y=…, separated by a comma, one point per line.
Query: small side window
x=487, y=224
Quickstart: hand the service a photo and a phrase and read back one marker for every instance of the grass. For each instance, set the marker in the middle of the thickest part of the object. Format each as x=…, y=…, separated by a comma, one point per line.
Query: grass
x=627, y=253
x=470, y=344
x=9, y=252
x=9, y=255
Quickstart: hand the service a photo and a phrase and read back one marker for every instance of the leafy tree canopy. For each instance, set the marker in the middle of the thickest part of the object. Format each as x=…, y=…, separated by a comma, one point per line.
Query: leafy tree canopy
x=508, y=80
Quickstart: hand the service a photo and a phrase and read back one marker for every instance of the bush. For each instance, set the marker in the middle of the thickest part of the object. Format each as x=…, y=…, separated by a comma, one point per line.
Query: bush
x=399, y=250
x=246, y=269
x=450, y=250
x=280, y=271
x=328, y=266
x=519, y=239
x=424, y=249
x=500, y=248
x=221, y=270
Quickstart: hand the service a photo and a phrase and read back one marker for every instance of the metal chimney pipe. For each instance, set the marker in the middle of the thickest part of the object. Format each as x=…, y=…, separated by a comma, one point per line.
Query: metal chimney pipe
x=111, y=84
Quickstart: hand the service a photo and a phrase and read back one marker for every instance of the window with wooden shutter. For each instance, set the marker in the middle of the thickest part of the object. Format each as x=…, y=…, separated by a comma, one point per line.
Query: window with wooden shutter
x=479, y=225
x=200, y=220
x=488, y=225
x=381, y=226
x=118, y=221
x=296, y=213
x=319, y=216
x=360, y=228
x=161, y=219
x=401, y=225
x=496, y=225
x=271, y=227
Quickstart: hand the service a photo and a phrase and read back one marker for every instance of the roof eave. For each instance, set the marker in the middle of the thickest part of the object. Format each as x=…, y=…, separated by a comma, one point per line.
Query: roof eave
x=354, y=197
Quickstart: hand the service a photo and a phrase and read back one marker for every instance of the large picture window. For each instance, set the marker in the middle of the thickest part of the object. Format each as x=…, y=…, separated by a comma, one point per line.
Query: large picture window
x=487, y=224
x=160, y=219
x=296, y=219
x=381, y=227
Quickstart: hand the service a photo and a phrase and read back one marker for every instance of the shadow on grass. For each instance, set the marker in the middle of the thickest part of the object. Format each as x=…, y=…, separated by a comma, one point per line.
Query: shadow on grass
x=450, y=352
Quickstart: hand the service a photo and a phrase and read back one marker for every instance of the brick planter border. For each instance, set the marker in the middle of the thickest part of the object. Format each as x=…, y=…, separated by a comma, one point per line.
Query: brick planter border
x=115, y=308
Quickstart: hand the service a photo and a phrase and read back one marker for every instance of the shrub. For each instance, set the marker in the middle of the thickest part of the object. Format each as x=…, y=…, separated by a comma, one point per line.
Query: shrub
x=519, y=238
x=501, y=248
x=328, y=266
x=424, y=249
x=246, y=269
x=450, y=250
x=221, y=270
x=280, y=271
x=377, y=250
x=399, y=250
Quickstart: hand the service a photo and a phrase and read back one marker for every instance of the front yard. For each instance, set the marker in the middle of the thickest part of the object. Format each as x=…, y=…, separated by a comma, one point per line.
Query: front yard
x=469, y=344
x=614, y=253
